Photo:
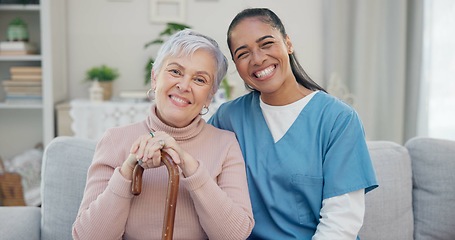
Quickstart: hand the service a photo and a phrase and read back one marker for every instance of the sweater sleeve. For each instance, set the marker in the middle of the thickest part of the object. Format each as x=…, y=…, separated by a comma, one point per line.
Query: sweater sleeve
x=106, y=202
x=223, y=206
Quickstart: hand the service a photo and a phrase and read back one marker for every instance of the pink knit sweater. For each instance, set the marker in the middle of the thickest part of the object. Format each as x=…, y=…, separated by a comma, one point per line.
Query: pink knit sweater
x=212, y=204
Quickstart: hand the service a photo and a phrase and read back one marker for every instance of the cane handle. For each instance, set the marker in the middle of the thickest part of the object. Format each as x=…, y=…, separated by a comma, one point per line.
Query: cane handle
x=172, y=192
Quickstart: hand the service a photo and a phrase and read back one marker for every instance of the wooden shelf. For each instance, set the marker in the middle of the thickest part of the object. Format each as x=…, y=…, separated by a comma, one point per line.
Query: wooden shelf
x=20, y=7
x=4, y=105
x=21, y=58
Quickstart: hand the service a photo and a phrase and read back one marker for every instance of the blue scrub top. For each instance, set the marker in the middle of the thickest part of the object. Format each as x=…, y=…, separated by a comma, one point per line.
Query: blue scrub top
x=322, y=155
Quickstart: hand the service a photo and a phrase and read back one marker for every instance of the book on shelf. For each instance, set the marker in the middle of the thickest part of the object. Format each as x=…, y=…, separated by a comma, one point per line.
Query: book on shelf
x=24, y=94
x=7, y=46
x=17, y=48
x=11, y=83
x=23, y=99
x=26, y=78
x=16, y=53
x=22, y=89
x=25, y=70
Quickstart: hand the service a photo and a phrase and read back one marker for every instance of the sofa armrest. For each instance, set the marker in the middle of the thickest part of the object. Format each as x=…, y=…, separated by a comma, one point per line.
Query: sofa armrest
x=65, y=164
x=433, y=194
x=20, y=223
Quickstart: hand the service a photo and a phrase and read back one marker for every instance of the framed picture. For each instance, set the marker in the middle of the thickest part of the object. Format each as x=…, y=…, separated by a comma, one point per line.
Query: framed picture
x=163, y=11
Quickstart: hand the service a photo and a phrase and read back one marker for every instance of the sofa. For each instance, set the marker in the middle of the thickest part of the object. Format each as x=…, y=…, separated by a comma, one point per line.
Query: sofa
x=415, y=198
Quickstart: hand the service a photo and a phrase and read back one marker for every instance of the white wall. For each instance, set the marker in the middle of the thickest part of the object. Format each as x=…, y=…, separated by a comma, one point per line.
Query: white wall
x=114, y=32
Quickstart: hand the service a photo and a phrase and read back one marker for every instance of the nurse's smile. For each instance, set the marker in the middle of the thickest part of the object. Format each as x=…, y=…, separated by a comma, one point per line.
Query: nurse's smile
x=265, y=73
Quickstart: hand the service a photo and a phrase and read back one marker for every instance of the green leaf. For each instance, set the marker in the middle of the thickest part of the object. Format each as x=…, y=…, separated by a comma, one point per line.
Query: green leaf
x=227, y=88
x=102, y=73
x=177, y=26
x=148, y=70
x=156, y=41
x=17, y=22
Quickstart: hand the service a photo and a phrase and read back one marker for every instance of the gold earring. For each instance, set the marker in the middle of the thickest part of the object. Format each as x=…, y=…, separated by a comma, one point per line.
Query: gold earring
x=204, y=111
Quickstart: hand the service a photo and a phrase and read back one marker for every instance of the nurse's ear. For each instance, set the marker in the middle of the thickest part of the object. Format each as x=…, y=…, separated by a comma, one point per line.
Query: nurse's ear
x=288, y=43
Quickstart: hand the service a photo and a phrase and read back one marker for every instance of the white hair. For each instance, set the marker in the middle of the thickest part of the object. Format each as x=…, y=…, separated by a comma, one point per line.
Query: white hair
x=185, y=43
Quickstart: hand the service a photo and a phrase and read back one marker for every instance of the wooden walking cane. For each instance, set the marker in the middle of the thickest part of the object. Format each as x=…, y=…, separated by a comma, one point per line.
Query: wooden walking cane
x=172, y=191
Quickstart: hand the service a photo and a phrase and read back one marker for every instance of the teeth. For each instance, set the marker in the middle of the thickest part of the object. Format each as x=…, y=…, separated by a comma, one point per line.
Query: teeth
x=265, y=72
x=178, y=99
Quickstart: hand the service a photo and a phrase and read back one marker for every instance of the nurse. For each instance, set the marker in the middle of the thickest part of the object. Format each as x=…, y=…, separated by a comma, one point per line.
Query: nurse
x=307, y=161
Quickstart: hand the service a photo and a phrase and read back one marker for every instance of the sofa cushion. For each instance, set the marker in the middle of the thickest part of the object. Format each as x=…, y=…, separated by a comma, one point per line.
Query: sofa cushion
x=388, y=209
x=20, y=223
x=433, y=168
x=64, y=172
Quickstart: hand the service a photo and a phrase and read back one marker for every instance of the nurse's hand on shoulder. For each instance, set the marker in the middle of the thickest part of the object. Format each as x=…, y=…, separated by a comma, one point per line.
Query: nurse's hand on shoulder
x=147, y=148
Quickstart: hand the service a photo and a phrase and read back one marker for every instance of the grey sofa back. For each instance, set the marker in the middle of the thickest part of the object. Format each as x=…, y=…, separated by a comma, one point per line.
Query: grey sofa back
x=64, y=171
x=416, y=194
x=388, y=208
x=414, y=199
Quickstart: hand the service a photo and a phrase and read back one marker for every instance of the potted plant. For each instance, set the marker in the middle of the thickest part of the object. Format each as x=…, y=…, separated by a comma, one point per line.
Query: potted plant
x=105, y=75
x=17, y=30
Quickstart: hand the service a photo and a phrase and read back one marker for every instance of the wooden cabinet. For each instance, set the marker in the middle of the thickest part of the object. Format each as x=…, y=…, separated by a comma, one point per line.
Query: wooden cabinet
x=23, y=125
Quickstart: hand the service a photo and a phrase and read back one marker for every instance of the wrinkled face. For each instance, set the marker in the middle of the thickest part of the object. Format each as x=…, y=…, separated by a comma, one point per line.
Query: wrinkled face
x=183, y=86
x=261, y=55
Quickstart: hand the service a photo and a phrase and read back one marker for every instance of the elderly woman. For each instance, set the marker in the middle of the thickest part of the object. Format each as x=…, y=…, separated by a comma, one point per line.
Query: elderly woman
x=213, y=200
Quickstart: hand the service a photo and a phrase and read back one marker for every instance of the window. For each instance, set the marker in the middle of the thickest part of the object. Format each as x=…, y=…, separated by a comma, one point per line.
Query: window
x=439, y=68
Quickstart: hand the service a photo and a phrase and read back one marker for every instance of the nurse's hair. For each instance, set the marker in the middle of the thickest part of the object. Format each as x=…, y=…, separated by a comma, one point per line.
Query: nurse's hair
x=185, y=43
x=269, y=17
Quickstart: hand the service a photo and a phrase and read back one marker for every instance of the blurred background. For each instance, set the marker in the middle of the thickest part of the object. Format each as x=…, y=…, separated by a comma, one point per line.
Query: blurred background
x=392, y=60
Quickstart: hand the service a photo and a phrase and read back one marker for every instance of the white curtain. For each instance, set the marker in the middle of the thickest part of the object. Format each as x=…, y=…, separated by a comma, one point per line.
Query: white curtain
x=367, y=45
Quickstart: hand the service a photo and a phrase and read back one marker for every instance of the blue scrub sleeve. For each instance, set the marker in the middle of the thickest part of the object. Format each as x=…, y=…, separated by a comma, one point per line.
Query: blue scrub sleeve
x=347, y=164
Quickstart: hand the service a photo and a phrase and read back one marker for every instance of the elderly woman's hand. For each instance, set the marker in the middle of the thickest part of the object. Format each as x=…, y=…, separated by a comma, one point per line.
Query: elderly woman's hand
x=147, y=151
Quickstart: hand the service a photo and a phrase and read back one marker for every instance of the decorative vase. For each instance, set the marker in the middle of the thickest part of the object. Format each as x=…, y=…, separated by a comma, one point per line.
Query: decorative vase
x=107, y=90
x=96, y=92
